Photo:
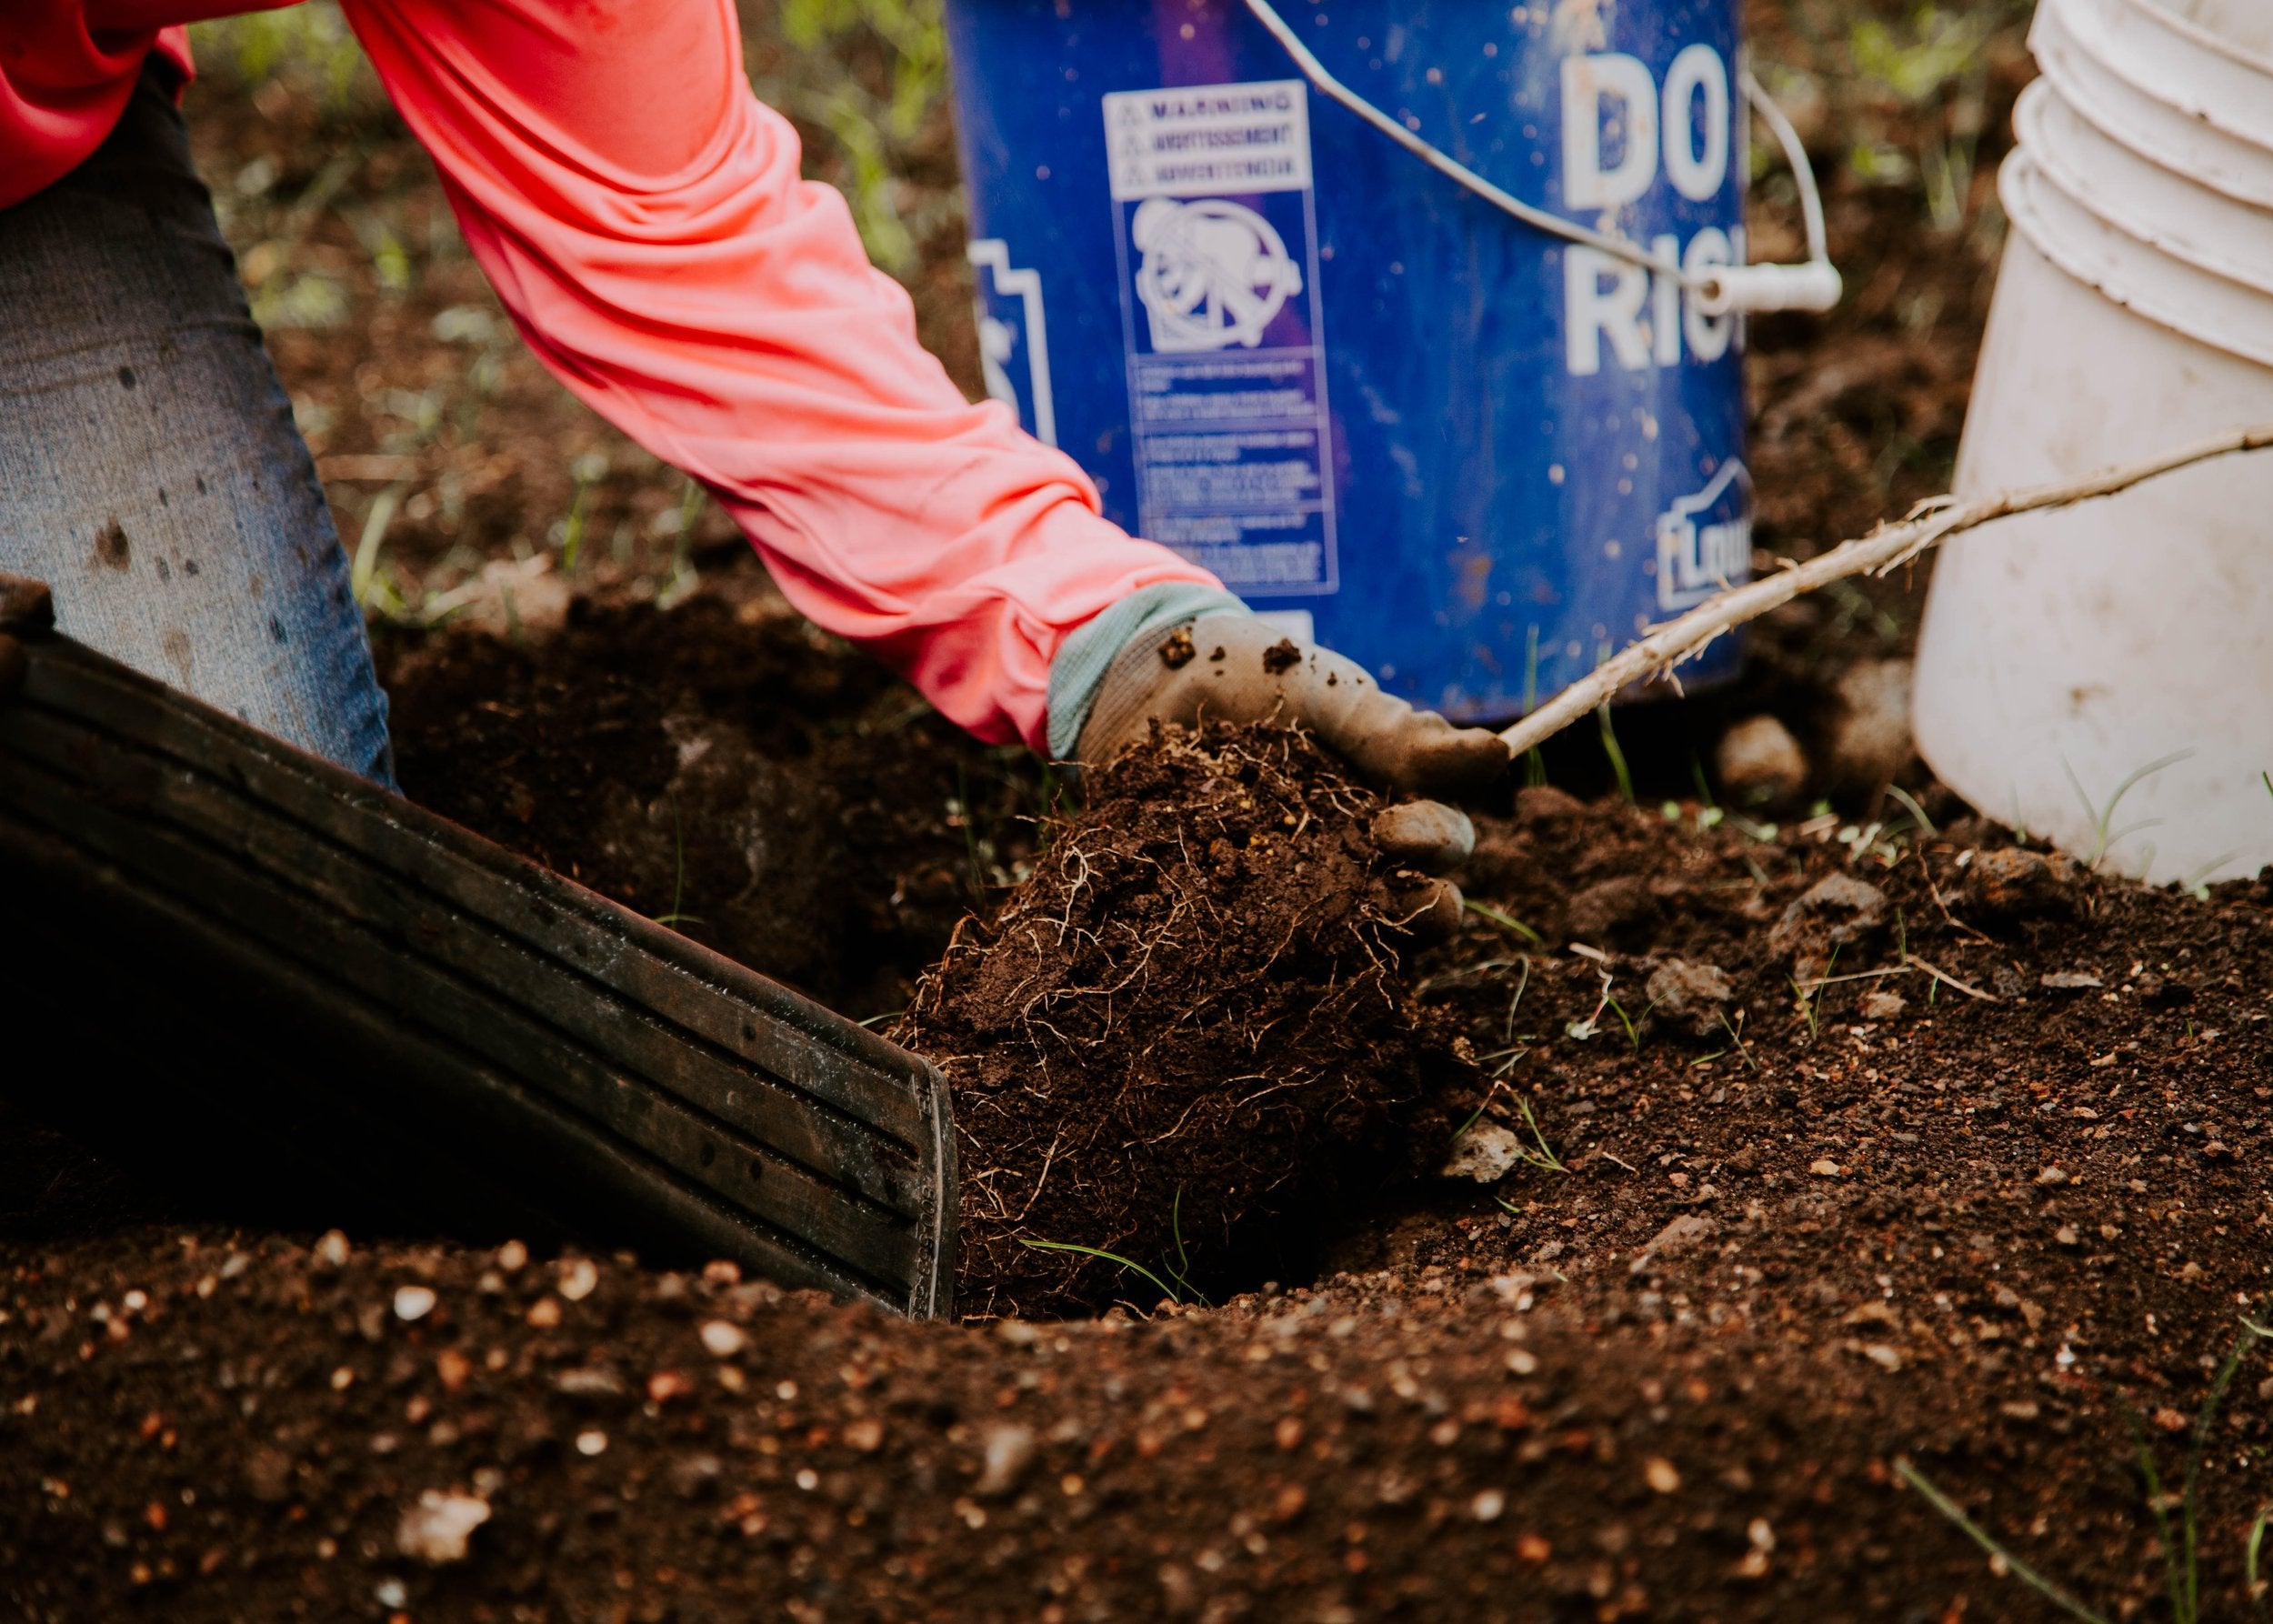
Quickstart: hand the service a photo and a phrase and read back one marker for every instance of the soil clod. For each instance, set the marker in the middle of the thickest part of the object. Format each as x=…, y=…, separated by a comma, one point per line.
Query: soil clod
x=1185, y=1021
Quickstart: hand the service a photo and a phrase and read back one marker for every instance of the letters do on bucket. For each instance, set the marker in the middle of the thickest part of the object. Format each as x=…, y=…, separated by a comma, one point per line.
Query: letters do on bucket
x=1468, y=453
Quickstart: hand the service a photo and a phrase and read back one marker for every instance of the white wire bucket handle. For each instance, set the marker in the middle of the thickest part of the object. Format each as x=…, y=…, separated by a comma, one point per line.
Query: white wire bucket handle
x=1814, y=285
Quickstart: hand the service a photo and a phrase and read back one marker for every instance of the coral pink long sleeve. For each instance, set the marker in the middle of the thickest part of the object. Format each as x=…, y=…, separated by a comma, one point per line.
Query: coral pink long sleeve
x=643, y=219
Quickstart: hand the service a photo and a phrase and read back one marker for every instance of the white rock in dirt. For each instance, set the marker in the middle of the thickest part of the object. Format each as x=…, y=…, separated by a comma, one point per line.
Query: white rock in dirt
x=579, y=1277
x=1009, y=1455
x=1689, y=996
x=723, y=1338
x=332, y=1250
x=1484, y=1151
x=1761, y=764
x=413, y=1302
x=435, y=1529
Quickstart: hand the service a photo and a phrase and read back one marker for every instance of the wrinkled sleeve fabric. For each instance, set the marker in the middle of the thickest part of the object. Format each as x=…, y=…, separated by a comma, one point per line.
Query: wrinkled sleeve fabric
x=643, y=219
x=64, y=78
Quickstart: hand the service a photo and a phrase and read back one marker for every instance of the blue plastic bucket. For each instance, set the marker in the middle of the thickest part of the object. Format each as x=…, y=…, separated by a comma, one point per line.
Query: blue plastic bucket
x=1476, y=456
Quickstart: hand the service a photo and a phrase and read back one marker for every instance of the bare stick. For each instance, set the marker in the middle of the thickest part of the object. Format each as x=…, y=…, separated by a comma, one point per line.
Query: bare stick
x=1886, y=548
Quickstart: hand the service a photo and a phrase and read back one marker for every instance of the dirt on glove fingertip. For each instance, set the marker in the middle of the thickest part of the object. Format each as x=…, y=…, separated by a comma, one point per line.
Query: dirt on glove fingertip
x=1182, y=1030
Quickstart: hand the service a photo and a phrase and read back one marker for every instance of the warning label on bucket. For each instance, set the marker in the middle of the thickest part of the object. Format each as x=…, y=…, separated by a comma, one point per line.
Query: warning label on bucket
x=1217, y=238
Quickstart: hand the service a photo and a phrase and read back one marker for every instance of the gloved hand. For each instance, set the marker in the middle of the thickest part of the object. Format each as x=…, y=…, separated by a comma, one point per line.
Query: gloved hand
x=1228, y=665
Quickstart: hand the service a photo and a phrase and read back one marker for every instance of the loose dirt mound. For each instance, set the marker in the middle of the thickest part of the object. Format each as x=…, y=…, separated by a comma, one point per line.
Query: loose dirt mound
x=1184, y=1021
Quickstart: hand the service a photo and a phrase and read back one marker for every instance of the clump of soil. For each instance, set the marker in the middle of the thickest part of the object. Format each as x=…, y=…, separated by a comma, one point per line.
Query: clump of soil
x=1184, y=1021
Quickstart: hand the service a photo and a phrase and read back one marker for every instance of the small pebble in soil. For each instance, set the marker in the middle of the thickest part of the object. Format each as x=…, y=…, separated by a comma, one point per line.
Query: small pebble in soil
x=1009, y=1452
x=723, y=1338
x=413, y=1302
x=2014, y=884
x=435, y=1529
x=1483, y=1151
x=1884, y=1006
x=511, y=1256
x=591, y=1441
x=1689, y=998
x=578, y=1277
x=1760, y=764
x=332, y=1250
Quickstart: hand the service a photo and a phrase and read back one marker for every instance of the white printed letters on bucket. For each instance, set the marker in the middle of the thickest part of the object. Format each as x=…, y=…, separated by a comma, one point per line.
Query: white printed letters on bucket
x=1612, y=304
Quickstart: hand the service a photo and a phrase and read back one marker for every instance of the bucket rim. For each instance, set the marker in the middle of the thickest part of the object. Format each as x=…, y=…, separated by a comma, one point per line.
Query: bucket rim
x=2193, y=31
x=2219, y=159
x=2185, y=90
x=2176, y=315
x=2053, y=162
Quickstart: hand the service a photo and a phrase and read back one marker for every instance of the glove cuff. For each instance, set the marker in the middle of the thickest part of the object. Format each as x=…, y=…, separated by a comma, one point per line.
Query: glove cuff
x=1087, y=654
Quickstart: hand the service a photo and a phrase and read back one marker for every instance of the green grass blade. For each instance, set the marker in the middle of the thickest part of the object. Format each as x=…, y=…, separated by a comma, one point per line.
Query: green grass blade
x=1506, y=922
x=1988, y=1542
x=1616, y=753
x=2249, y=1554
x=2145, y=1456
x=2191, y=1499
x=1130, y=1263
x=1916, y=812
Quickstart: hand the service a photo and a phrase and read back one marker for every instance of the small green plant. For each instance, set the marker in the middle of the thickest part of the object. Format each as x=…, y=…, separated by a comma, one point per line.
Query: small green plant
x=1917, y=813
x=586, y=472
x=1446, y=977
x=1811, y=997
x=1177, y=1288
x=2251, y=1550
x=1505, y=921
x=1182, y=1270
x=1616, y=755
x=1130, y=1263
x=1737, y=1038
x=363, y=579
x=1631, y=1023
x=2181, y=1547
x=678, y=878
x=2103, y=835
x=1546, y=1160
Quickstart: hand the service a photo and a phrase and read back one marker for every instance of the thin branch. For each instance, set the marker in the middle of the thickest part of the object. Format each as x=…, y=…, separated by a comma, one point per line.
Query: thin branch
x=1888, y=547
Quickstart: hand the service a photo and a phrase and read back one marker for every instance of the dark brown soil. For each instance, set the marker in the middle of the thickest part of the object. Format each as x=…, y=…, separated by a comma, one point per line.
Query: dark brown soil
x=1187, y=1021
x=1770, y=1241
x=728, y=767
x=1670, y=1381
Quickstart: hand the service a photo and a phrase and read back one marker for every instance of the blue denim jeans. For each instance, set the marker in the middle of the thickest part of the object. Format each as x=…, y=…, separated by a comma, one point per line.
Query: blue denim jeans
x=150, y=472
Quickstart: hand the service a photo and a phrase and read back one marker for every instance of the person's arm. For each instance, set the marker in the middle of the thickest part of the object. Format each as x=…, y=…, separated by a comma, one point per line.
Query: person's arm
x=643, y=219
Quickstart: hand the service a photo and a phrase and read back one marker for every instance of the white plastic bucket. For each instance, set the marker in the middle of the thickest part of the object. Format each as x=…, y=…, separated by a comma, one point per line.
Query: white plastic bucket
x=2129, y=640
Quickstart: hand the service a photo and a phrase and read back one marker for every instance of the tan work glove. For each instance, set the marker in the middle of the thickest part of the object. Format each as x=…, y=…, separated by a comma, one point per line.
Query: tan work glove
x=1231, y=667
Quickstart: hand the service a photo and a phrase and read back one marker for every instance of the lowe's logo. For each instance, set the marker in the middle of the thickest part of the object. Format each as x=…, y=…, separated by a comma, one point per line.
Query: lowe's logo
x=1705, y=541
